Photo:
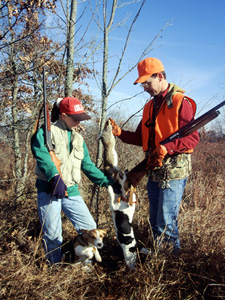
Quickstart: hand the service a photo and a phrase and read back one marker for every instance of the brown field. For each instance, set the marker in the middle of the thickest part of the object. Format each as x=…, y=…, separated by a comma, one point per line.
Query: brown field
x=199, y=272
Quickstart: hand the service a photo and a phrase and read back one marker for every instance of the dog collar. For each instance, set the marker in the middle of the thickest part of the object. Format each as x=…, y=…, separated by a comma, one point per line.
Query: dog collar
x=129, y=198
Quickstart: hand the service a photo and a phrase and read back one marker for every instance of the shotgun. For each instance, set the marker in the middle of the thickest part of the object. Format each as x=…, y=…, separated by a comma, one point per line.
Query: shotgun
x=47, y=131
x=135, y=175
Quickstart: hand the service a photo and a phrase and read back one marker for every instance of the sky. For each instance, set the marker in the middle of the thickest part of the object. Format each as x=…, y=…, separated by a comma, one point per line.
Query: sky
x=191, y=48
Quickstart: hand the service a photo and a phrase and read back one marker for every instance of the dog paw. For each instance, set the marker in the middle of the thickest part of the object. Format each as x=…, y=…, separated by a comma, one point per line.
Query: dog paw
x=98, y=259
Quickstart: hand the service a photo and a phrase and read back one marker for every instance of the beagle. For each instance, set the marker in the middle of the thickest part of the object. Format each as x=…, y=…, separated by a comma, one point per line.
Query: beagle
x=86, y=245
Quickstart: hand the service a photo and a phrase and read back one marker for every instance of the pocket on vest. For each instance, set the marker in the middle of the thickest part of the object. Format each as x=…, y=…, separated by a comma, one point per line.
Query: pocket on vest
x=79, y=153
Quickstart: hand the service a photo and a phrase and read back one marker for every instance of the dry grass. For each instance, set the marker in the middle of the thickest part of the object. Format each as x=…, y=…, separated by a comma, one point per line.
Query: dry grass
x=197, y=274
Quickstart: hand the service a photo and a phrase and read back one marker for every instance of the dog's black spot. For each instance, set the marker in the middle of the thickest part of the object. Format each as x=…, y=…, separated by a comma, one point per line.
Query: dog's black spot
x=68, y=251
x=122, y=222
x=133, y=249
x=124, y=239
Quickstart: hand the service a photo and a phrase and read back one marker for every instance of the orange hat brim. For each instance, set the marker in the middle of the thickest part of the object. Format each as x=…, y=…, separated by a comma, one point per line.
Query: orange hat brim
x=142, y=79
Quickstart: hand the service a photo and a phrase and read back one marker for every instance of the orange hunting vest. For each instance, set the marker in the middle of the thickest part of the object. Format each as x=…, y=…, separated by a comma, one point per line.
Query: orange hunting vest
x=166, y=122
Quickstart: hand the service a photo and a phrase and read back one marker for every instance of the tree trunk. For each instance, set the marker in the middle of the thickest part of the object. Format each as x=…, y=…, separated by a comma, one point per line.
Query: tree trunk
x=70, y=49
x=104, y=92
x=104, y=98
x=16, y=140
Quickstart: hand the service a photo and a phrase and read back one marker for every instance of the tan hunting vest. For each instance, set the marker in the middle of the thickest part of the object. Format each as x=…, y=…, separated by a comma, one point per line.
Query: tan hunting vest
x=70, y=162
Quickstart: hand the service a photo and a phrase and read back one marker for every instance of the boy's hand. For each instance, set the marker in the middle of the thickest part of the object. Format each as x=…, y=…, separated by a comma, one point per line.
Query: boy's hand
x=58, y=187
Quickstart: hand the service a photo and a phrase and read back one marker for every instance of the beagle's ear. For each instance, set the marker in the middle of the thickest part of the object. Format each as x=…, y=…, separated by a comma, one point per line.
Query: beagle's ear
x=84, y=234
x=84, y=231
x=103, y=231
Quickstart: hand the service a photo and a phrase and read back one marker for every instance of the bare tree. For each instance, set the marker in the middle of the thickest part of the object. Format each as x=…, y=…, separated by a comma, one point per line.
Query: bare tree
x=21, y=56
x=77, y=50
x=219, y=127
x=23, y=53
x=106, y=28
x=70, y=49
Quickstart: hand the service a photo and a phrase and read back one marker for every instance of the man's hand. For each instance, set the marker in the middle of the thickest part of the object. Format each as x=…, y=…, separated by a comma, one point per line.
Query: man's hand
x=58, y=187
x=116, y=130
x=156, y=157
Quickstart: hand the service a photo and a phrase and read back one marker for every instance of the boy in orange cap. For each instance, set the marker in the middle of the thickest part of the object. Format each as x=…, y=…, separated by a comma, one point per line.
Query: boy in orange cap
x=170, y=165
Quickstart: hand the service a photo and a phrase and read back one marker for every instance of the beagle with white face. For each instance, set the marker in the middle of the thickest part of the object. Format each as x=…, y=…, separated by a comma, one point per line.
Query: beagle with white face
x=87, y=244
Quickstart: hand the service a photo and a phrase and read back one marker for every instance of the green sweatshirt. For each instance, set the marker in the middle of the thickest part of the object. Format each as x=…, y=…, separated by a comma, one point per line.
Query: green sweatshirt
x=47, y=167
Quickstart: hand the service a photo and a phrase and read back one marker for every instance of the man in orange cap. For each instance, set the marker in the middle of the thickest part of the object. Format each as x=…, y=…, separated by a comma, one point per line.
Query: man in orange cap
x=169, y=166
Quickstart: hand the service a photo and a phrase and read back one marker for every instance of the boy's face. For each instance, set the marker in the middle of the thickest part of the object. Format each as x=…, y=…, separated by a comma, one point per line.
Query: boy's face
x=69, y=121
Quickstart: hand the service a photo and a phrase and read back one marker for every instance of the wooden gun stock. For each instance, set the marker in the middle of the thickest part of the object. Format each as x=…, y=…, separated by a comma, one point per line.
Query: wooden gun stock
x=135, y=175
x=56, y=161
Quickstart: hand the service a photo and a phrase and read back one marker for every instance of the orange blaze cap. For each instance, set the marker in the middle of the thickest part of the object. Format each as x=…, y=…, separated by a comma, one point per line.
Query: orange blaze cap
x=147, y=68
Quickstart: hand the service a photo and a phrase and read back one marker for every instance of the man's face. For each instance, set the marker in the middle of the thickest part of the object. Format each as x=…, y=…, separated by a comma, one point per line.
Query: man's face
x=152, y=85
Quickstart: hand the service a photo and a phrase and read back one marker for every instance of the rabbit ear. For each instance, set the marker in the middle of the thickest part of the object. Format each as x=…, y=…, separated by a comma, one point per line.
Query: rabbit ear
x=58, y=101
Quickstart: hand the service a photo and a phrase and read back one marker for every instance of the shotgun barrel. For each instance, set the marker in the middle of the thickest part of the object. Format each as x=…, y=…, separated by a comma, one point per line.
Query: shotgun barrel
x=47, y=122
x=195, y=124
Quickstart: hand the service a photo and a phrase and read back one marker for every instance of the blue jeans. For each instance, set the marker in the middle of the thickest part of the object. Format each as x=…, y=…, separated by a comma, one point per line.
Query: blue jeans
x=164, y=209
x=49, y=210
